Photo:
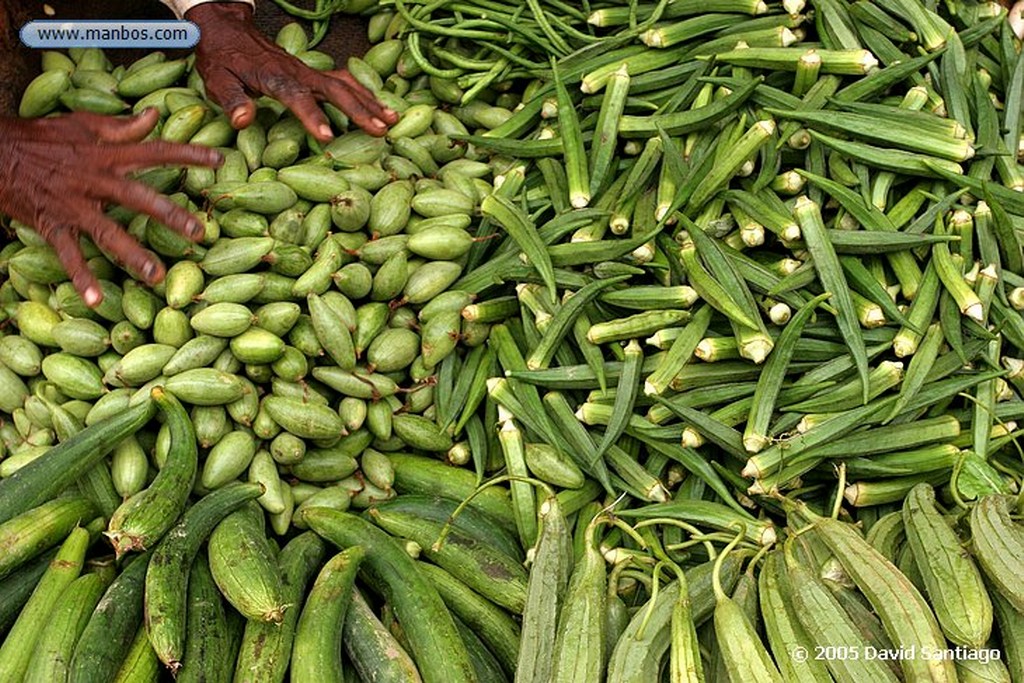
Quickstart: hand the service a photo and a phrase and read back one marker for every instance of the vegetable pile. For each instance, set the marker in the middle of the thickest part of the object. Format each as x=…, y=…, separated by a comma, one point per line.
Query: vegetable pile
x=668, y=341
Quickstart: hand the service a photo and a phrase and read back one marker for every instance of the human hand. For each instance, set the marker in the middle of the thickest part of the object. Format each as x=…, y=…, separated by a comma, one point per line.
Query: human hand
x=57, y=173
x=235, y=60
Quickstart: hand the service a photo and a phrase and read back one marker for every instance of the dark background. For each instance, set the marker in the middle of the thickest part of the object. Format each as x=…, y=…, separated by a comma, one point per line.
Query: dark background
x=19, y=64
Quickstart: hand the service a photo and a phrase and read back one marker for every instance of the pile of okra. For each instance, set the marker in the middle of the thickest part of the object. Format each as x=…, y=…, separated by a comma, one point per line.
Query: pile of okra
x=658, y=341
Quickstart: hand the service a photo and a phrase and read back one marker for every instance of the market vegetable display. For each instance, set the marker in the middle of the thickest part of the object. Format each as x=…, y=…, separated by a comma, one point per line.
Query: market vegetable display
x=675, y=341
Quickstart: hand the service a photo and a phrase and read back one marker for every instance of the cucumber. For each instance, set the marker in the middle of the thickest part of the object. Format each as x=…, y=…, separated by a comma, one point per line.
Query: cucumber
x=315, y=652
x=424, y=475
x=433, y=637
x=107, y=637
x=140, y=665
x=498, y=577
x=18, y=586
x=56, y=645
x=244, y=567
x=17, y=648
x=374, y=652
x=470, y=521
x=207, y=655
x=494, y=626
x=44, y=477
x=145, y=517
x=37, y=530
x=168, y=575
x=485, y=663
x=267, y=646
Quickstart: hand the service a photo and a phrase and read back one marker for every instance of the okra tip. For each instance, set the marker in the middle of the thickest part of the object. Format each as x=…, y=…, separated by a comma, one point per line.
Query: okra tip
x=757, y=488
x=754, y=443
x=751, y=470
x=691, y=438
x=975, y=311
x=505, y=419
x=757, y=349
x=852, y=494
x=804, y=204
x=1014, y=367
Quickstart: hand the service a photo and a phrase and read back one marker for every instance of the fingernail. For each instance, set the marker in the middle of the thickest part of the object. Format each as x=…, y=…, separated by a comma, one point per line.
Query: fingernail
x=236, y=117
x=325, y=131
x=148, y=270
x=92, y=297
x=195, y=230
x=377, y=122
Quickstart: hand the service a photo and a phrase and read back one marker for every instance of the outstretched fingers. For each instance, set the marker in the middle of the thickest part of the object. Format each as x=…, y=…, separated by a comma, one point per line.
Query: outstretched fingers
x=112, y=239
x=115, y=129
x=342, y=90
x=139, y=197
x=128, y=158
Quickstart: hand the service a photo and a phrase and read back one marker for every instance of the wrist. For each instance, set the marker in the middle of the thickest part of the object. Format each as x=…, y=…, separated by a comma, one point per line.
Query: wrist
x=208, y=13
x=9, y=158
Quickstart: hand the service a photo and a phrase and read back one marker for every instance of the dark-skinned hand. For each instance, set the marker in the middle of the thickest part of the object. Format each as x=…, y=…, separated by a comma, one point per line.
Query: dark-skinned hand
x=56, y=175
x=236, y=60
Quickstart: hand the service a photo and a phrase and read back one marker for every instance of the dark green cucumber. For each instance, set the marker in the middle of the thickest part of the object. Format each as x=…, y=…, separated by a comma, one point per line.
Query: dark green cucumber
x=140, y=665
x=485, y=662
x=420, y=474
x=112, y=627
x=168, y=575
x=18, y=586
x=244, y=566
x=315, y=652
x=470, y=521
x=97, y=485
x=207, y=656
x=433, y=637
x=374, y=652
x=145, y=517
x=495, y=627
x=494, y=575
x=267, y=647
